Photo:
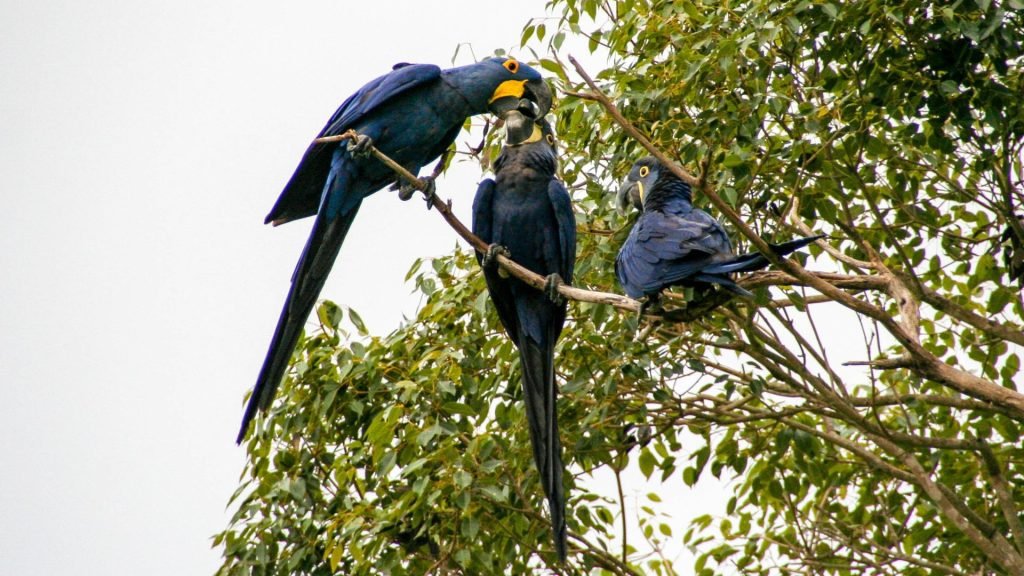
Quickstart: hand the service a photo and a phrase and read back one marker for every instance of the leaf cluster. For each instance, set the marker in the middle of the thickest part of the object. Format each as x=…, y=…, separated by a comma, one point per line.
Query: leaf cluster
x=894, y=127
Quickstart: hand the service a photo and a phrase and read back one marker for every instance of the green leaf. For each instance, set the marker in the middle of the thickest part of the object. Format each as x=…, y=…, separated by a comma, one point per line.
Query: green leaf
x=732, y=161
x=894, y=133
x=357, y=321
x=524, y=39
x=1001, y=296
x=463, y=479
x=480, y=303
x=380, y=430
x=470, y=527
x=458, y=408
x=647, y=462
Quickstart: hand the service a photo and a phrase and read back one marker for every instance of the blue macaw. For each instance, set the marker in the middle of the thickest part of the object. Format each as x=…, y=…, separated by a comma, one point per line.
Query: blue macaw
x=675, y=244
x=526, y=214
x=411, y=114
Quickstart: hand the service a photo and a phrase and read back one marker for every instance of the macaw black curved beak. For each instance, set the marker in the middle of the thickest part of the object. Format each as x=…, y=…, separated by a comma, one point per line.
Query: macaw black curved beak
x=520, y=124
x=629, y=194
x=510, y=93
x=539, y=92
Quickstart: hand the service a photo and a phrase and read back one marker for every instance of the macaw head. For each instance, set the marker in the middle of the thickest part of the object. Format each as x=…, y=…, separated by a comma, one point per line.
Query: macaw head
x=639, y=182
x=499, y=84
x=525, y=125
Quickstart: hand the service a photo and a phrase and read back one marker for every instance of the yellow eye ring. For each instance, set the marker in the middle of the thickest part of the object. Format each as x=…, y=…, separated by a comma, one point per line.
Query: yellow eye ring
x=644, y=171
x=511, y=65
x=550, y=139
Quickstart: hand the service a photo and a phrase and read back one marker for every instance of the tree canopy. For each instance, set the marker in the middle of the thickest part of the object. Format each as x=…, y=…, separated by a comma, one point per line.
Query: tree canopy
x=895, y=128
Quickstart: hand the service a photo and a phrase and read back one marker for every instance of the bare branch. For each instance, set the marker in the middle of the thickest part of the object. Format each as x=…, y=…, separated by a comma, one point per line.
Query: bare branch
x=933, y=400
x=992, y=544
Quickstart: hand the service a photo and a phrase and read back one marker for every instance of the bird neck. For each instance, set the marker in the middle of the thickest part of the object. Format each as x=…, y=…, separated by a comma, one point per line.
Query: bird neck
x=532, y=160
x=467, y=82
x=670, y=195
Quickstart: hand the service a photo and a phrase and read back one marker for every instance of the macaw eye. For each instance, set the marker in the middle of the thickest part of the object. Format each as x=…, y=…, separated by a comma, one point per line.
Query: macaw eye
x=644, y=171
x=550, y=139
x=511, y=65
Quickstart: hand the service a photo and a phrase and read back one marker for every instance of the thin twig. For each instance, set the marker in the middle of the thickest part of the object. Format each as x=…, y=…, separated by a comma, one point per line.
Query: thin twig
x=622, y=509
x=580, y=95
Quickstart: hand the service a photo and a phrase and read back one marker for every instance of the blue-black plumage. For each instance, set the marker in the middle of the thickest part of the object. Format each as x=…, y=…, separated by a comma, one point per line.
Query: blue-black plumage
x=411, y=114
x=675, y=244
x=527, y=211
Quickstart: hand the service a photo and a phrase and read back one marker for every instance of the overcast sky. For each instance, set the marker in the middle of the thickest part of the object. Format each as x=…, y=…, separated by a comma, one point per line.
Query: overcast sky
x=141, y=145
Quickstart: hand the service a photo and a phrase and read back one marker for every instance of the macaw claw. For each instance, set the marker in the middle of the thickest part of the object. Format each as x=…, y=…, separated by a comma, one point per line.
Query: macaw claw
x=551, y=284
x=490, y=259
x=360, y=146
x=406, y=190
x=651, y=305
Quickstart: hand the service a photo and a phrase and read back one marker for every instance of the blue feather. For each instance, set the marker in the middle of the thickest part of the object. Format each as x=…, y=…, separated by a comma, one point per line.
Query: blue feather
x=675, y=244
x=413, y=115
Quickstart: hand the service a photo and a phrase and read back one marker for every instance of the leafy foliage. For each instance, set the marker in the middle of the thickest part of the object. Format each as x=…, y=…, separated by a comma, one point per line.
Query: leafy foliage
x=898, y=129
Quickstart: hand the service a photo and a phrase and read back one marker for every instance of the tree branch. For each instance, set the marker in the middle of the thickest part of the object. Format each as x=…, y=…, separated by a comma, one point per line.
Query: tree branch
x=794, y=218
x=930, y=399
x=947, y=306
x=693, y=311
x=523, y=274
x=927, y=365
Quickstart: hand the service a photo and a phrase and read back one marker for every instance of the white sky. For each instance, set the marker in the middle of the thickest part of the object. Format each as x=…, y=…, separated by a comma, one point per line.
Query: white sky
x=141, y=145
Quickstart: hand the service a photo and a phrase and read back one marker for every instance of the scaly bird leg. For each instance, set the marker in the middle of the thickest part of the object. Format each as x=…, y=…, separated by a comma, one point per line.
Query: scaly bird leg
x=651, y=305
x=406, y=190
x=490, y=259
x=551, y=284
x=360, y=146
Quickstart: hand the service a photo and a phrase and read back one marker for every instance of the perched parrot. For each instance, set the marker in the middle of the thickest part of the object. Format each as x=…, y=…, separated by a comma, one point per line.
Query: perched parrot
x=675, y=244
x=411, y=114
x=526, y=214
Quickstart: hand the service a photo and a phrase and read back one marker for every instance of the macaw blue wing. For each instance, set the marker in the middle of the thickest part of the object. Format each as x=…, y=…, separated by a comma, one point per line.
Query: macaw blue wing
x=566, y=219
x=666, y=248
x=636, y=266
x=378, y=91
x=483, y=206
x=301, y=196
x=483, y=227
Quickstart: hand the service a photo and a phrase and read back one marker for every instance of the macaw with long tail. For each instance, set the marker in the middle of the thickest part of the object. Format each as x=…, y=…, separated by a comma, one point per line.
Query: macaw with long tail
x=412, y=114
x=526, y=213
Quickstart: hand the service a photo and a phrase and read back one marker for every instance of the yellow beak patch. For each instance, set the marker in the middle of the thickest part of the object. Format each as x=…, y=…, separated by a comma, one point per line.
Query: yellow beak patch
x=514, y=88
x=536, y=136
x=640, y=185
